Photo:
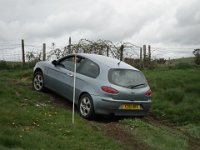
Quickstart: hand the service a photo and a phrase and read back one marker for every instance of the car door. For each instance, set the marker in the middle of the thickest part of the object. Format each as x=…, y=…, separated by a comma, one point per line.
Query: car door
x=62, y=76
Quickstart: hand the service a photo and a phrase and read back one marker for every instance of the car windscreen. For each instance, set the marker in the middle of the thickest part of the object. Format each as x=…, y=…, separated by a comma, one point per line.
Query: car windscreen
x=127, y=78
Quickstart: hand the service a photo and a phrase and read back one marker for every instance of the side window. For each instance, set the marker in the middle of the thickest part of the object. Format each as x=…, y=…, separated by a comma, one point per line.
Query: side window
x=69, y=62
x=89, y=69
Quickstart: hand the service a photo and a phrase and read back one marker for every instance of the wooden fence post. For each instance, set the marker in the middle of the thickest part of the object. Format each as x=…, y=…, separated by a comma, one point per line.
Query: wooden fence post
x=107, y=51
x=144, y=56
x=140, y=54
x=44, y=51
x=69, y=46
x=23, y=54
x=149, y=51
x=121, y=52
x=101, y=50
x=144, y=52
x=140, y=57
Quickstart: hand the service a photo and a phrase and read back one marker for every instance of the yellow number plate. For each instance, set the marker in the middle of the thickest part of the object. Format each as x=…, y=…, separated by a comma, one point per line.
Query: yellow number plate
x=130, y=107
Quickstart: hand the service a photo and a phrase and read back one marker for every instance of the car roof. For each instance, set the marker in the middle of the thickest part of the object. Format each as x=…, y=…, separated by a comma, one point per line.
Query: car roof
x=108, y=61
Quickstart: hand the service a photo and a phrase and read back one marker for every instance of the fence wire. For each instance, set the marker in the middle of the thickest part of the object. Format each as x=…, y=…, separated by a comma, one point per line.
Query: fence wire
x=13, y=51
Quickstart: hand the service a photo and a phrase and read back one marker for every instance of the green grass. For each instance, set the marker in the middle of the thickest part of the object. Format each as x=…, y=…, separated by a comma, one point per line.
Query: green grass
x=191, y=130
x=176, y=94
x=157, y=137
x=30, y=120
x=176, y=98
x=9, y=65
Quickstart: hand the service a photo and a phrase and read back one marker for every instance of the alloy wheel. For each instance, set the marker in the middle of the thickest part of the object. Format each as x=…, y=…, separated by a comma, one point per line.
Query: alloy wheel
x=85, y=106
x=38, y=82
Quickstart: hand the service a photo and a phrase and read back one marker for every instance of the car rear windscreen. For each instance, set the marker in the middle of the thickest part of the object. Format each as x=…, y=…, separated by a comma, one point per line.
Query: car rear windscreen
x=127, y=78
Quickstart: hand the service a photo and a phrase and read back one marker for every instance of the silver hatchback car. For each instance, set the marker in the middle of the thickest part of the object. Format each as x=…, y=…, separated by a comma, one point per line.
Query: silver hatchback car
x=103, y=85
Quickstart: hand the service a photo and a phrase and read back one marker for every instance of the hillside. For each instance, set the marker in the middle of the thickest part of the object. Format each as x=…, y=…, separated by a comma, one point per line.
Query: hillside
x=34, y=120
x=186, y=60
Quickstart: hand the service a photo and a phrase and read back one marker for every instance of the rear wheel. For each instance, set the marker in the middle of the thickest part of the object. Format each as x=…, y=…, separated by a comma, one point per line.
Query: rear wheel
x=86, y=107
x=38, y=81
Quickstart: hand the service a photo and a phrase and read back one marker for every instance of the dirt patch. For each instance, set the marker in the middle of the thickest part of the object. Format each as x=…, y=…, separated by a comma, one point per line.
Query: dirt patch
x=108, y=125
x=112, y=128
x=194, y=144
x=12, y=81
x=26, y=79
x=20, y=82
x=59, y=100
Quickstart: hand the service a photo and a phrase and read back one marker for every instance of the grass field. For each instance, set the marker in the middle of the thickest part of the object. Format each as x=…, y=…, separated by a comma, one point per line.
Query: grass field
x=176, y=94
x=32, y=120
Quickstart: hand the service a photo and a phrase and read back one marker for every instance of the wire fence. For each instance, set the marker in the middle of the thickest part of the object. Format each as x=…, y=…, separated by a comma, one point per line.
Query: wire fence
x=124, y=51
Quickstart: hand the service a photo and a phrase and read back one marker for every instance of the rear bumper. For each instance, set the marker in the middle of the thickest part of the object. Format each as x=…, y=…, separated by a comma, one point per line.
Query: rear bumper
x=107, y=106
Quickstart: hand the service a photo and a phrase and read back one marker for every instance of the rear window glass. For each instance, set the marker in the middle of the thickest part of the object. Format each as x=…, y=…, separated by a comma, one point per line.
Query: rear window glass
x=127, y=78
x=89, y=69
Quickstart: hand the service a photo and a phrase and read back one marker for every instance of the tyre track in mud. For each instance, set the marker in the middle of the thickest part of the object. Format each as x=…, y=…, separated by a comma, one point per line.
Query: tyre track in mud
x=111, y=127
x=194, y=143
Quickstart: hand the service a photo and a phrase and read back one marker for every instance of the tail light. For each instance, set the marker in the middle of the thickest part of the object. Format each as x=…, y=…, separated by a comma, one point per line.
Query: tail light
x=148, y=93
x=109, y=90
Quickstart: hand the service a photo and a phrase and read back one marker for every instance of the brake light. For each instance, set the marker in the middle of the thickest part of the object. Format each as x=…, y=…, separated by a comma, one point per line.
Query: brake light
x=148, y=93
x=109, y=90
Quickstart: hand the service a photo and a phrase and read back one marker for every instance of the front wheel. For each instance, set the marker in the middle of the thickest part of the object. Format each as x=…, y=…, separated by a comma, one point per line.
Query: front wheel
x=86, y=107
x=38, y=81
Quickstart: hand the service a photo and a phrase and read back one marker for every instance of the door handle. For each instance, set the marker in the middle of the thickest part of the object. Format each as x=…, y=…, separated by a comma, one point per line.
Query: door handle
x=69, y=74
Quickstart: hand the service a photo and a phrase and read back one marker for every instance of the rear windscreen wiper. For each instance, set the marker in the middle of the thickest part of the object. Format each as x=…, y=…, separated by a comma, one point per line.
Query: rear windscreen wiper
x=134, y=86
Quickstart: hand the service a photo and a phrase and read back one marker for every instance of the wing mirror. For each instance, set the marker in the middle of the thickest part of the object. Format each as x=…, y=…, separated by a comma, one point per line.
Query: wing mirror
x=54, y=62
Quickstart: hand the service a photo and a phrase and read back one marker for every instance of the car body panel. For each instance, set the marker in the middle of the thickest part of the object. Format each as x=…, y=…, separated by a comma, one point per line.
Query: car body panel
x=105, y=105
x=57, y=78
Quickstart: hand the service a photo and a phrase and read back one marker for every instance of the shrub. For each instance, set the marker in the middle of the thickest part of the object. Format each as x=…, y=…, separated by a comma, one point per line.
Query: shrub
x=4, y=65
x=196, y=53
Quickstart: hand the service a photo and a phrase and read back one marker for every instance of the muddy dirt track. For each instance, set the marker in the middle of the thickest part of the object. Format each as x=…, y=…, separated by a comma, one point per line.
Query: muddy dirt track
x=111, y=127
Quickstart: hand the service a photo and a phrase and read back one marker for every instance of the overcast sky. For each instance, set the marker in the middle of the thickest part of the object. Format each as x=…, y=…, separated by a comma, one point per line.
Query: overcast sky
x=160, y=23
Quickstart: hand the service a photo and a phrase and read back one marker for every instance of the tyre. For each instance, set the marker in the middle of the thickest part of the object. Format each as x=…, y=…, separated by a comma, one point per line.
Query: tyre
x=86, y=107
x=38, y=81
